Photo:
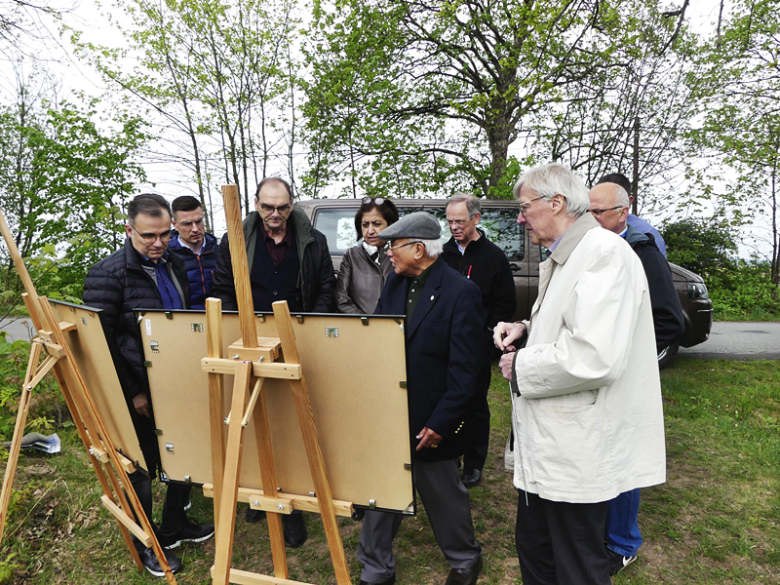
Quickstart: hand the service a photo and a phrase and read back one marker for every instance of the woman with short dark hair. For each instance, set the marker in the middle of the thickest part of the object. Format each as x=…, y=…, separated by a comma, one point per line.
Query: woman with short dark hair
x=365, y=267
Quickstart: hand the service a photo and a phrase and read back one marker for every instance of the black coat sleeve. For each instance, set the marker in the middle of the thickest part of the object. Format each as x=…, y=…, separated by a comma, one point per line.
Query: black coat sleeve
x=667, y=312
x=224, y=288
x=326, y=289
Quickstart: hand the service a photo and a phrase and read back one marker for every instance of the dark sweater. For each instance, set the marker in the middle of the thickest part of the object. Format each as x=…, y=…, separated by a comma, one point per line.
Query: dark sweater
x=487, y=266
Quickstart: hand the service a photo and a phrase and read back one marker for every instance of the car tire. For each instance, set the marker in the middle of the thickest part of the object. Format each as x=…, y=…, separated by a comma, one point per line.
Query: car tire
x=666, y=355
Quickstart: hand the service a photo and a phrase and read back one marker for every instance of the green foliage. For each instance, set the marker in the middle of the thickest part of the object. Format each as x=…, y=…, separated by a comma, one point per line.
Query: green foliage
x=46, y=403
x=420, y=87
x=745, y=292
x=65, y=177
x=706, y=248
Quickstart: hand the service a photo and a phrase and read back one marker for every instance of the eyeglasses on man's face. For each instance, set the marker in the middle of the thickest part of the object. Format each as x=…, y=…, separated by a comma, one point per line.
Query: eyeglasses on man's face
x=282, y=209
x=524, y=206
x=391, y=248
x=457, y=222
x=149, y=238
x=599, y=212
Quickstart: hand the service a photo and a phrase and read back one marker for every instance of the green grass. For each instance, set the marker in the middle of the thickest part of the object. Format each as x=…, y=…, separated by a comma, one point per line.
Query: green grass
x=716, y=520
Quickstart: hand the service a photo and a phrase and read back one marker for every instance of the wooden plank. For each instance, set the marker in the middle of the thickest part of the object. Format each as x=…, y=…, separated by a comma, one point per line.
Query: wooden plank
x=246, y=310
x=247, y=578
x=216, y=399
x=259, y=370
x=227, y=503
x=126, y=521
x=312, y=445
x=303, y=503
x=67, y=326
x=268, y=474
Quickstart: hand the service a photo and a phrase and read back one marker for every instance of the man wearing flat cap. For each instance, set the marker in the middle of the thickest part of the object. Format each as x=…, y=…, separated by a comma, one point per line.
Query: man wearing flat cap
x=443, y=325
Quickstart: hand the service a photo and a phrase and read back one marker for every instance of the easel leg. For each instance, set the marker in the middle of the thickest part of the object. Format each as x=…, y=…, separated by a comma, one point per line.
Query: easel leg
x=227, y=505
x=268, y=474
x=311, y=442
x=16, y=441
x=216, y=396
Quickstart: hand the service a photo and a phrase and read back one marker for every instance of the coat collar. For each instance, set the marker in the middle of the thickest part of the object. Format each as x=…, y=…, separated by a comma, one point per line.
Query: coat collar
x=572, y=237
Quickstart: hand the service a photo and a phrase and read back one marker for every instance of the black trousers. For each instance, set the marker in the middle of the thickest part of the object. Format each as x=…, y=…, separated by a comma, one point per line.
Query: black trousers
x=476, y=445
x=559, y=543
x=176, y=497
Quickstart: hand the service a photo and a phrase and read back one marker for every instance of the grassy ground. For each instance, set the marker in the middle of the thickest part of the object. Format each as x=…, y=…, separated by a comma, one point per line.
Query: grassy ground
x=716, y=520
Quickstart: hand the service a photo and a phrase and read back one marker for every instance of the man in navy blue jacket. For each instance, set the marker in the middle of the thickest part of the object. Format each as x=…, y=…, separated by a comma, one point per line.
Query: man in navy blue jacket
x=444, y=342
x=198, y=248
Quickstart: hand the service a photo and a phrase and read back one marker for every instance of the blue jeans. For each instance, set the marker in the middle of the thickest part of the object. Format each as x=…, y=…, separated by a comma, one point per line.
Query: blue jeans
x=623, y=535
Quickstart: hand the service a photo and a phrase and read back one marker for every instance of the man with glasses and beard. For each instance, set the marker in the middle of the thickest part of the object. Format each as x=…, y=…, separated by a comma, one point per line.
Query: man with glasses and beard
x=288, y=261
x=144, y=275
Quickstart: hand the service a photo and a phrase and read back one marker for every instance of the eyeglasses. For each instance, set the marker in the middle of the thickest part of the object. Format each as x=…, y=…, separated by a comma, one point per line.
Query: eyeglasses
x=598, y=212
x=376, y=200
x=189, y=224
x=282, y=209
x=524, y=206
x=150, y=238
x=402, y=245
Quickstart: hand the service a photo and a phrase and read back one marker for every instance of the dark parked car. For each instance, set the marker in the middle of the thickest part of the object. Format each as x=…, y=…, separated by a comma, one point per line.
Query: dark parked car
x=335, y=219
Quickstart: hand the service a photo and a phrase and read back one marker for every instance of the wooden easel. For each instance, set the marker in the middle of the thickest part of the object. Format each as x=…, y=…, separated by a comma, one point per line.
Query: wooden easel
x=252, y=361
x=110, y=466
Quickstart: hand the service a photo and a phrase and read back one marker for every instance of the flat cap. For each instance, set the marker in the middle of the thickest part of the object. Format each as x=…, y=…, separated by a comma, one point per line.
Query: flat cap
x=420, y=226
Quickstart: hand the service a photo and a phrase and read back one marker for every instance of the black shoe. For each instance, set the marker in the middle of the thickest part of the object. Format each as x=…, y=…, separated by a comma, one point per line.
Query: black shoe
x=253, y=515
x=295, y=533
x=189, y=532
x=618, y=562
x=151, y=564
x=465, y=576
x=389, y=581
x=471, y=476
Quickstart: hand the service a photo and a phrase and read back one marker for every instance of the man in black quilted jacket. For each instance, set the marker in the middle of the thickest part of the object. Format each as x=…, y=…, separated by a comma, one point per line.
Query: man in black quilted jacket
x=144, y=275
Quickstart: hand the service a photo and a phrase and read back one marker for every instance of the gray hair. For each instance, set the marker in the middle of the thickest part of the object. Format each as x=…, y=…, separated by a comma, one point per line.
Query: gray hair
x=621, y=196
x=472, y=203
x=556, y=179
x=433, y=248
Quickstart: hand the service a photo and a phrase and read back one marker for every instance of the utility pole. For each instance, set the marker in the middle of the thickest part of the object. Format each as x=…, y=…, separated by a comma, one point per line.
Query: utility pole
x=635, y=182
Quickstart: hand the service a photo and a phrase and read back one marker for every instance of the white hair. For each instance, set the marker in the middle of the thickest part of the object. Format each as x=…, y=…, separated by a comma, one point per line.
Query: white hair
x=433, y=248
x=556, y=179
x=621, y=196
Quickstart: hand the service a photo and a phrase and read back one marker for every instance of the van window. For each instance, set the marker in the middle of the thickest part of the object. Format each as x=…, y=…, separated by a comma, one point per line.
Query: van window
x=500, y=226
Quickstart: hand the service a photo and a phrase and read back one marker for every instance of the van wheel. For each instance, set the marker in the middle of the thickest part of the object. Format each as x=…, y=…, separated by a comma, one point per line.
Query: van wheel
x=666, y=355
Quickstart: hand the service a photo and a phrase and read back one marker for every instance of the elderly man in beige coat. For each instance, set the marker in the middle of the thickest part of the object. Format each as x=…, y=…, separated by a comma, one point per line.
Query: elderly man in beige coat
x=586, y=396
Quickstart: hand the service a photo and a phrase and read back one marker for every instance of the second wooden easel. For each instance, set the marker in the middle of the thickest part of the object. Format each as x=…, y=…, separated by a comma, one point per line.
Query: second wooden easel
x=253, y=360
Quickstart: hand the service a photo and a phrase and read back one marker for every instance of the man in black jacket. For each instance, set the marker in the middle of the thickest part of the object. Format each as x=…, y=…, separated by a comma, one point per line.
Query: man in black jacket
x=609, y=205
x=197, y=247
x=288, y=261
x=470, y=252
x=144, y=275
x=443, y=324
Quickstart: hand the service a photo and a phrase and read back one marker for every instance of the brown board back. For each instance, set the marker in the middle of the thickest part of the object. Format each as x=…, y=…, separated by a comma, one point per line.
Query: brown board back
x=90, y=349
x=355, y=372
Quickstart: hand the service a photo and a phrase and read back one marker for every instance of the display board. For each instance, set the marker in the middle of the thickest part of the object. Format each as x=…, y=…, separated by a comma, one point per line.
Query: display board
x=90, y=349
x=355, y=372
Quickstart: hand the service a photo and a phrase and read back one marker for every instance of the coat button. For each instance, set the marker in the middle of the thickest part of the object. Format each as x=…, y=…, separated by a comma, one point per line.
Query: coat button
x=275, y=293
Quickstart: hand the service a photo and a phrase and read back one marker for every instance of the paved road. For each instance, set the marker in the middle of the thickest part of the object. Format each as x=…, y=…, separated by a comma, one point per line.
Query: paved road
x=742, y=341
x=17, y=328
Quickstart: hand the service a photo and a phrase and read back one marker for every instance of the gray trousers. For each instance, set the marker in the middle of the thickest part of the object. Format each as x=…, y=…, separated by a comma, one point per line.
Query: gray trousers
x=446, y=502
